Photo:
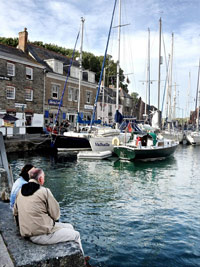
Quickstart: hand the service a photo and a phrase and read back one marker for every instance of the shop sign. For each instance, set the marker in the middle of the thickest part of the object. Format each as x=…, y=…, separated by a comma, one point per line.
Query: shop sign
x=88, y=107
x=19, y=105
x=54, y=102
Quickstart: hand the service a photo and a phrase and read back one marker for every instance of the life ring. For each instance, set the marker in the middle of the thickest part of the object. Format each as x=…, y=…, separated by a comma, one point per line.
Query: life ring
x=115, y=141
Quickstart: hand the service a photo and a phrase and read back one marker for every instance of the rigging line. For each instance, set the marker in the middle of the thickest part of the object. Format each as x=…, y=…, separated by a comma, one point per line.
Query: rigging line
x=68, y=74
x=99, y=85
x=164, y=50
x=197, y=91
x=34, y=143
x=165, y=84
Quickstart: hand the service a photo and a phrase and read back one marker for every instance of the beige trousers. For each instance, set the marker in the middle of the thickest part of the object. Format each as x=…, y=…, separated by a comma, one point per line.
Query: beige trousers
x=65, y=232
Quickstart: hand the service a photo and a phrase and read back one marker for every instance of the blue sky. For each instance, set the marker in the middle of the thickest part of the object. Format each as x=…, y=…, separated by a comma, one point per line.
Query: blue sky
x=58, y=22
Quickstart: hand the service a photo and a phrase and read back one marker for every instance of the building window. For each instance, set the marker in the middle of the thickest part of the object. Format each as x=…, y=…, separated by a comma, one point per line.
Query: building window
x=55, y=91
x=88, y=97
x=76, y=95
x=29, y=94
x=28, y=121
x=85, y=76
x=10, y=92
x=10, y=69
x=29, y=73
x=70, y=94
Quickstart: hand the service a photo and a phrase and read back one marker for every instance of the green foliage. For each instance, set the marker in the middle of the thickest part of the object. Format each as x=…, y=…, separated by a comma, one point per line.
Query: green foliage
x=9, y=41
x=134, y=95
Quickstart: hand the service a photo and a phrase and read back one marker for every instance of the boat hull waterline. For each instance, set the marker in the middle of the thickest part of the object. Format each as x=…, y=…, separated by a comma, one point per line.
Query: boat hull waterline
x=145, y=153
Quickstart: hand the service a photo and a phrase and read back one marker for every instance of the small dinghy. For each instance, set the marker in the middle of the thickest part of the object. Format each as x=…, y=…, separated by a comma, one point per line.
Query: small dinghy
x=94, y=154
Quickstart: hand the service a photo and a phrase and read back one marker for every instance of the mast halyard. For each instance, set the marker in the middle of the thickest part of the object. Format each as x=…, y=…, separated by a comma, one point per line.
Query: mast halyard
x=148, y=78
x=159, y=63
x=118, y=64
x=198, y=98
x=80, y=69
x=103, y=91
x=170, y=87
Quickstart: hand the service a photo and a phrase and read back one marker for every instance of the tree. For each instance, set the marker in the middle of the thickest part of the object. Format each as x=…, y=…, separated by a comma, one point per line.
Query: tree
x=9, y=41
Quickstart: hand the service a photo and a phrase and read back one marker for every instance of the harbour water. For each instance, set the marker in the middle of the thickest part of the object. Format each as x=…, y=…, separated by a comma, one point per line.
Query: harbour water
x=128, y=213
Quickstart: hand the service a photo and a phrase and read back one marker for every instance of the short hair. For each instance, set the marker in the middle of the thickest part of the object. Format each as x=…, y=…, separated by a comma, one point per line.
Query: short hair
x=35, y=174
x=25, y=170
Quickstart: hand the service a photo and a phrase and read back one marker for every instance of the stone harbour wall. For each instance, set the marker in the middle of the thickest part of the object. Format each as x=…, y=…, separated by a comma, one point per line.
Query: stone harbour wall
x=20, y=252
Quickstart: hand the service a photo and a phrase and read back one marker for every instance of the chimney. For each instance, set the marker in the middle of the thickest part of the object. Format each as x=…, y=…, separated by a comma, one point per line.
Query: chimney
x=23, y=38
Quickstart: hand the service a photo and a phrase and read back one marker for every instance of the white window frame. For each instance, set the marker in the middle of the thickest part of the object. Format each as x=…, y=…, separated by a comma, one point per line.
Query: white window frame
x=70, y=94
x=30, y=93
x=10, y=69
x=10, y=88
x=55, y=88
x=29, y=73
x=88, y=97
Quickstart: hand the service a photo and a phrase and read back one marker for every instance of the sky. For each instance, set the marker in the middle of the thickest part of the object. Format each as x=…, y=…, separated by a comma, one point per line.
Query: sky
x=58, y=22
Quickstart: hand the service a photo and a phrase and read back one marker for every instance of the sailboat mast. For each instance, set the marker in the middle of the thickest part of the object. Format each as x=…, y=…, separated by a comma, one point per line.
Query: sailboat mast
x=159, y=63
x=198, y=97
x=103, y=89
x=174, y=106
x=118, y=63
x=170, y=82
x=80, y=68
x=148, y=77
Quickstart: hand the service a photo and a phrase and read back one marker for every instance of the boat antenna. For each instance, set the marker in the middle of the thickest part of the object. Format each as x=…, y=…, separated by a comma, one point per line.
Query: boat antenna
x=61, y=100
x=102, y=68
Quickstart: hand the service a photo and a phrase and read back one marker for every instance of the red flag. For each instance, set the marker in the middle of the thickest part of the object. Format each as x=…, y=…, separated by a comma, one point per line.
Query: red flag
x=129, y=127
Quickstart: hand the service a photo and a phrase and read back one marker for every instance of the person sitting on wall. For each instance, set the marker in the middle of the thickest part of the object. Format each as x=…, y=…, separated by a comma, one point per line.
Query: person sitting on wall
x=23, y=179
x=39, y=212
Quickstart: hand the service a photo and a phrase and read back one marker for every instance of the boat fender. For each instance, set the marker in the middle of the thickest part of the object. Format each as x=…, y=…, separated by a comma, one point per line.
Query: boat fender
x=115, y=141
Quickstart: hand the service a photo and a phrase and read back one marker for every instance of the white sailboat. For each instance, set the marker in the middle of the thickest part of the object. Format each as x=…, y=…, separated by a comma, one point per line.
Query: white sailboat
x=78, y=138
x=171, y=132
x=194, y=137
x=102, y=140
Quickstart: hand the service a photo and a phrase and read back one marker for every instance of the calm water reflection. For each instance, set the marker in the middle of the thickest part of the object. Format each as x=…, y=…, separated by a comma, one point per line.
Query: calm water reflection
x=129, y=213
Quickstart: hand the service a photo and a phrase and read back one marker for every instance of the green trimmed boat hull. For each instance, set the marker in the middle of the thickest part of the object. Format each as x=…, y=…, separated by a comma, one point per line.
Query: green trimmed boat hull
x=145, y=153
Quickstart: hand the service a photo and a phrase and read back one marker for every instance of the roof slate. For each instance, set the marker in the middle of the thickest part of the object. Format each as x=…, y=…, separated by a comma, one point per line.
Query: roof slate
x=40, y=54
x=15, y=53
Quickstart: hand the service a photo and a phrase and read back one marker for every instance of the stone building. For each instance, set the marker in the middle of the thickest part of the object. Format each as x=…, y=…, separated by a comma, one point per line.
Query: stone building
x=127, y=103
x=61, y=86
x=21, y=90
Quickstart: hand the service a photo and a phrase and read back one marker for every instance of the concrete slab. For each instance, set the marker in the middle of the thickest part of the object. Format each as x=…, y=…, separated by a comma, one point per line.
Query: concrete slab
x=25, y=253
x=5, y=260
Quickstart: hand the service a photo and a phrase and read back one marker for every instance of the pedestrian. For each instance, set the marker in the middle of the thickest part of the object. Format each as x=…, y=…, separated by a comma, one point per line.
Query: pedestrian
x=39, y=212
x=23, y=179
